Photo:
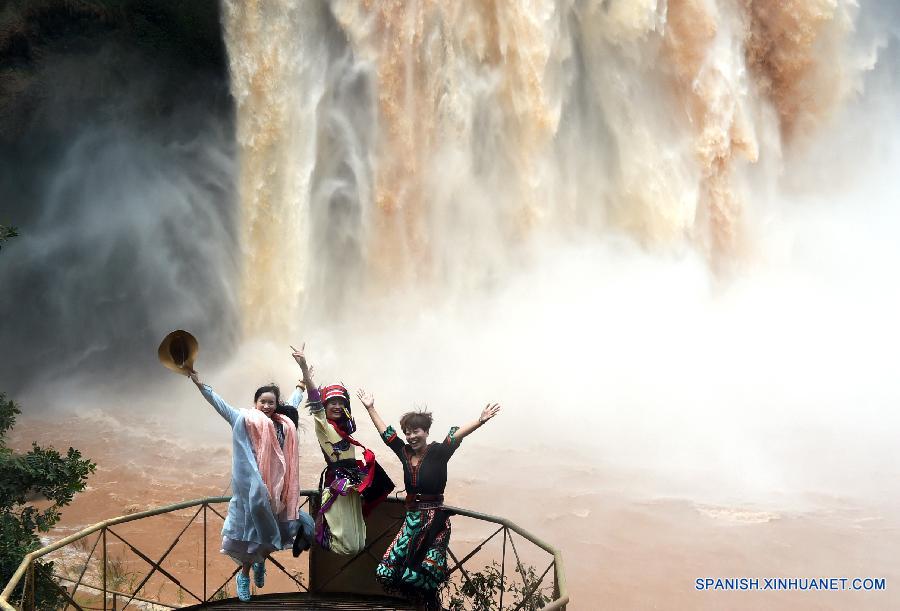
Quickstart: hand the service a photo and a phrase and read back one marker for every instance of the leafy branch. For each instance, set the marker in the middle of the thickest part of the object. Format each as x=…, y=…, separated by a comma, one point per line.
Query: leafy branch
x=7, y=233
x=478, y=592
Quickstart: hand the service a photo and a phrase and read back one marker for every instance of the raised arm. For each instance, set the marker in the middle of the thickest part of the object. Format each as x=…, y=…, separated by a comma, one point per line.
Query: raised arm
x=368, y=402
x=226, y=411
x=300, y=357
x=195, y=378
x=313, y=398
x=297, y=396
x=487, y=413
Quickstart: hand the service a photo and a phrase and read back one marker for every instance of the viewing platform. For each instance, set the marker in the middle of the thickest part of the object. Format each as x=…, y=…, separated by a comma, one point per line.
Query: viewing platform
x=134, y=561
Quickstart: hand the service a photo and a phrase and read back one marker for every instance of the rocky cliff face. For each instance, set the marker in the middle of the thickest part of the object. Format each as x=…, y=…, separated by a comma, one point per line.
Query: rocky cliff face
x=115, y=155
x=58, y=55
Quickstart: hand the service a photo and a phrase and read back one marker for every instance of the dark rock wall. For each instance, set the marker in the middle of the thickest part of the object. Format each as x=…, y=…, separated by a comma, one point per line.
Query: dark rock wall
x=117, y=166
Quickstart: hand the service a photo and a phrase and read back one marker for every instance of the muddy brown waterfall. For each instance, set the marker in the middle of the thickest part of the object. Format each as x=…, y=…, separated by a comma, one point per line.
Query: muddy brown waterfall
x=387, y=145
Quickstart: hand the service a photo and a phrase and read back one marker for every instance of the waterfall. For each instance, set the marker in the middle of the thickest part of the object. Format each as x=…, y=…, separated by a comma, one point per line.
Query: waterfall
x=432, y=144
x=276, y=71
x=492, y=199
x=684, y=210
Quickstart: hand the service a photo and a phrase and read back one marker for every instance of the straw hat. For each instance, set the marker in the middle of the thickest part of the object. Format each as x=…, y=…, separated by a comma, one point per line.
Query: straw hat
x=178, y=351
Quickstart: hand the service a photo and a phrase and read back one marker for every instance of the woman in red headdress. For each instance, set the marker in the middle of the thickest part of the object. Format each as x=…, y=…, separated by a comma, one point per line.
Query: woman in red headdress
x=350, y=488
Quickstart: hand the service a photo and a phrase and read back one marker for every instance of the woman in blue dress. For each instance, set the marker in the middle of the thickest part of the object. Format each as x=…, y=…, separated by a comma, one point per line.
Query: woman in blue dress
x=263, y=514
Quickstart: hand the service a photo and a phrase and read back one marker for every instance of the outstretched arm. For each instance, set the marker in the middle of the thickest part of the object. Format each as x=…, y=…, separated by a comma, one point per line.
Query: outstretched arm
x=486, y=414
x=368, y=402
x=297, y=396
x=226, y=411
x=300, y=357
x=195, y=378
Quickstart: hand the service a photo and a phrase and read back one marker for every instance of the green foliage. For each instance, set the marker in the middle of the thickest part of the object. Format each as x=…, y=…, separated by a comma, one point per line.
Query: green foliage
x=7, y=233
x=480, y=592
x=40, y=474
x=222, y=594
x=118, y=577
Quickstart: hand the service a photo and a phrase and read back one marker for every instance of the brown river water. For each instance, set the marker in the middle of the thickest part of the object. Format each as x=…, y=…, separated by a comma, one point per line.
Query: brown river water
x=621, y=550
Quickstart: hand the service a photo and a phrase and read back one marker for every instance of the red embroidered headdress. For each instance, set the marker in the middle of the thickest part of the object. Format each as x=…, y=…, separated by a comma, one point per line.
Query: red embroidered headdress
x=337, y=391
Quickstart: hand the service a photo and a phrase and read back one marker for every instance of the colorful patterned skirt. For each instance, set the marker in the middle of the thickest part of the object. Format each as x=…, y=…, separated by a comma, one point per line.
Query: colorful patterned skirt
x=415, y=564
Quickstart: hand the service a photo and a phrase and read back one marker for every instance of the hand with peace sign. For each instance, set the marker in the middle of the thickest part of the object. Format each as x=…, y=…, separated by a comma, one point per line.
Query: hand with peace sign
x=300, y=357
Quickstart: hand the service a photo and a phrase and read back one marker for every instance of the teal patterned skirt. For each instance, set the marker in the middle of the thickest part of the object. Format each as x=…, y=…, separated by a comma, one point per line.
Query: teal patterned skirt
x=415, y=564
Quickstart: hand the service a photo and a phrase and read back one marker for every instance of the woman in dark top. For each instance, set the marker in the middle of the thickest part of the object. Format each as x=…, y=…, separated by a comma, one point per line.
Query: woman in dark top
x=415, y=564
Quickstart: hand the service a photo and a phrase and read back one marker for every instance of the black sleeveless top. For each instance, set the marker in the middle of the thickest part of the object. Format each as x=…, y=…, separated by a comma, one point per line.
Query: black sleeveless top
x=430, y=475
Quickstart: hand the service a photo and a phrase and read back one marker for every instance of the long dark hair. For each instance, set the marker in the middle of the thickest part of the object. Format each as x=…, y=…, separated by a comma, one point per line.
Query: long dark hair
x=272, y=388
x=290, y=411
x=280, y=406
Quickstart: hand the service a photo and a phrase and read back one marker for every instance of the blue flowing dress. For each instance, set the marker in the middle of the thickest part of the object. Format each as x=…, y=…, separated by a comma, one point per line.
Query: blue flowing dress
x=251, y=531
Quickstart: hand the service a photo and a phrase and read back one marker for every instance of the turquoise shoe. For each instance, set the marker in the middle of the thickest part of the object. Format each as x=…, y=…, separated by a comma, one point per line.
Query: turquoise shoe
x=243, y=587
x=259, y=574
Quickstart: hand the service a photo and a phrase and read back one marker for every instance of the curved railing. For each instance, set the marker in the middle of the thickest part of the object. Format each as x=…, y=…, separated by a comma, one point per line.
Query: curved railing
x=112, y=597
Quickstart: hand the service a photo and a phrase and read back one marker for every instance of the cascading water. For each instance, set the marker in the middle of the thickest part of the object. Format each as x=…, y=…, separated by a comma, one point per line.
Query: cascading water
x=478, y=177
x=276, y=73
x=430, y=144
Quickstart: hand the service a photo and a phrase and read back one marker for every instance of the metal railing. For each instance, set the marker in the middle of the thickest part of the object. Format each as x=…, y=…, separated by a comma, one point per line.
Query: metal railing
x=116, y=600
x=560, y=588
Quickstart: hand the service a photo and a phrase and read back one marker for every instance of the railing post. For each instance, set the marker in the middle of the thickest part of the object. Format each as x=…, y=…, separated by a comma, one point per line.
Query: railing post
x=104, y=569
x=503, y=567
x=555, y=584
x=28, y=594
x=114, y=601
x=205, y=598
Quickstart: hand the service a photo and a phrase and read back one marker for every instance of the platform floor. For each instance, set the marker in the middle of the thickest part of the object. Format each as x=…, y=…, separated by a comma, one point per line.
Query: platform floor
x=298, y=600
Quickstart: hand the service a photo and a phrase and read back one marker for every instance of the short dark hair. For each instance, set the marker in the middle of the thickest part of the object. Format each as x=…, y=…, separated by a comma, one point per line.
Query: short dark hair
x=272, y=388
x=420, y=419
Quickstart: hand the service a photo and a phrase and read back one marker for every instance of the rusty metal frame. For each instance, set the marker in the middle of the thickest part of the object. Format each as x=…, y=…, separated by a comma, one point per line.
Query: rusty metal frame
x=156, y=565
